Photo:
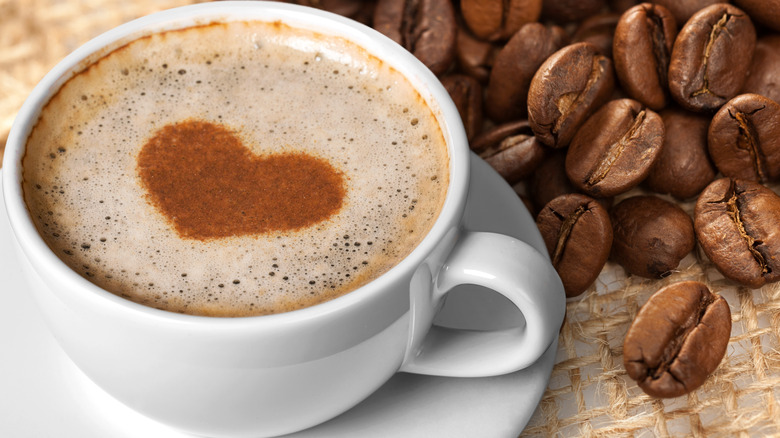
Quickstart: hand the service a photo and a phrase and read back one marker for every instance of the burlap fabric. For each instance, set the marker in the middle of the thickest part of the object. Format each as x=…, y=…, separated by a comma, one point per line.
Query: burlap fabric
x=589, y=393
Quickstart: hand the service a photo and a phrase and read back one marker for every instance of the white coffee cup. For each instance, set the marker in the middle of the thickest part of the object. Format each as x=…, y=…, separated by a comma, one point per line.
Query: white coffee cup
x=276, y=374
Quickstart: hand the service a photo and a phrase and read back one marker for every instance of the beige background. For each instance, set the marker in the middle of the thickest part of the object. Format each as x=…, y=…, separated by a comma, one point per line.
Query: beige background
x=589, y=392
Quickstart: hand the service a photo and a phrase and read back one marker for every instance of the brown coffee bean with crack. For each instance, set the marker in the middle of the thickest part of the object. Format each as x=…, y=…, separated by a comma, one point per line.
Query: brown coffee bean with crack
x=763, y=78
x=615, y=149
x=566, y=11
x=511, y=149
x=711, y=57
x=738, y=227
x=642, y=47
x=598, y=30
x=683, y=169
x=578, y=235
x=766, y=12
x=507, y=91
x=678, y=338
x=651, y=235
x=426, y=28
x=744, y=138
x=466, y=92
x=496, y=20
x=475, y=57
x=569, y=86
x=682, y=10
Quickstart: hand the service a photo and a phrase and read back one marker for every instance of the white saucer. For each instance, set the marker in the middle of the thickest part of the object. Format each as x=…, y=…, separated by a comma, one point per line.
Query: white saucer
x=43, y=394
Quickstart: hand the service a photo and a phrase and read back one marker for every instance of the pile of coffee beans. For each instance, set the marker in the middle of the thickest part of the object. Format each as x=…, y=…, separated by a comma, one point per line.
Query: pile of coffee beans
x=577, y=103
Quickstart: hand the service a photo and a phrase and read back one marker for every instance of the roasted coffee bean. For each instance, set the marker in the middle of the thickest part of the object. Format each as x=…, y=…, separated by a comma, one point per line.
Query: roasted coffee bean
x=566, y=11
x=578, y=236
x=511, y=149
x=651, y=235
x=744, y=138
x=678, y=338
x=711, y=57
x=549, y=180
x=738, y=227
x=766, y=12
x=474, y=57
x=682, y=10
x=366, y=13
x=684, y=168
x=641, y=51
x=618, y=93
x=347, y=8
x=507, y=91
x=571, y=84
x=598, y=30
x=621, y=6
x=466, y=92
x=762, y=78
x=615, y=149
x=495, y=20
x=358, y=10
x=424, y=27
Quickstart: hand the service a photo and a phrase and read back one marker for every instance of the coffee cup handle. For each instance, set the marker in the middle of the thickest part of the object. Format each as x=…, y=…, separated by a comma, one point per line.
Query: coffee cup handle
x=519, y=272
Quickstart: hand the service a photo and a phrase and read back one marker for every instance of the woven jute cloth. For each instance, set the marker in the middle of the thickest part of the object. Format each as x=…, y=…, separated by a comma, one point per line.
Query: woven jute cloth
x=589, y=392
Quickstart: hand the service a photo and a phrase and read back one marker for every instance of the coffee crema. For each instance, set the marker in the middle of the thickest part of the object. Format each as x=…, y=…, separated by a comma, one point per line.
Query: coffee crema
x=235, y=169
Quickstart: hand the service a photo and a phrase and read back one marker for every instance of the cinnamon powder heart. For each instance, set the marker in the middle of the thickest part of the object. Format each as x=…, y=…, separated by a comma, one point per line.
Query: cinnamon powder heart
x=209, y=185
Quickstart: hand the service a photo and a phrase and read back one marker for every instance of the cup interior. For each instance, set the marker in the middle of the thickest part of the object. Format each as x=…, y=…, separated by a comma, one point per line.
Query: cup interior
x=428, y=86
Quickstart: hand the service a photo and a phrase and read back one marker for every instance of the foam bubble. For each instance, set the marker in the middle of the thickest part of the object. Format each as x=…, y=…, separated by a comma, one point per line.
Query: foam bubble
x=82, y=186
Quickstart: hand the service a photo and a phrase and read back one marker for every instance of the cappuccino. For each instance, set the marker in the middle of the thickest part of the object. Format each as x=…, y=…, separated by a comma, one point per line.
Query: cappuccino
x=235, y=169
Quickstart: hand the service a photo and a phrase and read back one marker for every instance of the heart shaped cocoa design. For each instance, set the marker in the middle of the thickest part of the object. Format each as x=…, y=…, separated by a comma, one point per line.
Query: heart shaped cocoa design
x=209, y=185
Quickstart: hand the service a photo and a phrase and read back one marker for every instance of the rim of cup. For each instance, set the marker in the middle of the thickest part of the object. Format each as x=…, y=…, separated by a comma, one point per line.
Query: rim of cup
x=317, y=20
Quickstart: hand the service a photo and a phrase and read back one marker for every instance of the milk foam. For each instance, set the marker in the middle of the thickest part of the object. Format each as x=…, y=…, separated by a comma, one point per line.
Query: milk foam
x=280, y=90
